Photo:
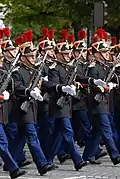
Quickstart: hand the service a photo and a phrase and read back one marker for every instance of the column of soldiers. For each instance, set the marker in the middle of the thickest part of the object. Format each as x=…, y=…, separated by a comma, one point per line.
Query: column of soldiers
x=55, y=95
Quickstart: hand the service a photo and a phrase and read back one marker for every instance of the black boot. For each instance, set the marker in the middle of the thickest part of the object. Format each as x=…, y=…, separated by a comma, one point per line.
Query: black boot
x=102, y=154
x=17, y=173
x=80, y=165
x=63, y=158
x=94, y=162
x=24, y=163
x=46, y=168
x=116, y=160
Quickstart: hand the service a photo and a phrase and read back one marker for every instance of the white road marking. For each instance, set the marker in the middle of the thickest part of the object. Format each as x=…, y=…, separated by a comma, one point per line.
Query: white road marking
x=81, y=177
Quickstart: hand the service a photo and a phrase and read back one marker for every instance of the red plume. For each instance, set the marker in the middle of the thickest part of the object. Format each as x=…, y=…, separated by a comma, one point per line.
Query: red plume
x=29, y=35
x=106, y=36
x=41, y=39
x=71, y=38
x=81, y=34
x=19, y=40
x=51, y=34
x=114, y=40
x=1, y=33
x=6, y=32
x=61, y=41
x=25, y=38
x=100, y=33
x=95, y=39
x=45, y=32
x=64, y=34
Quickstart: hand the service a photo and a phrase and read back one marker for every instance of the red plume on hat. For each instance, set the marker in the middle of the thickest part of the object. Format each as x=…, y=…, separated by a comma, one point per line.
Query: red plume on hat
x=41, y=39
x=19, y=40
x=106, y=36
x=64, y=34
x=114, y=40
x=6, y=32
x=45, y=32
x=95, y=38
x=100, y=33
x=51, y=34
x=25, y=38
x=61, y=41
x=81, y=34
x=1, y=34
x=28, y=36
x=71, y=38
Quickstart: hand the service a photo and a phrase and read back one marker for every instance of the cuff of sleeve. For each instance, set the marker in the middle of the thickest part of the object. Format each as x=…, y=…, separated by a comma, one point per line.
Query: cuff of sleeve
x=1, y=97
x=91, y=81
x=27, y=92
x=59, y=88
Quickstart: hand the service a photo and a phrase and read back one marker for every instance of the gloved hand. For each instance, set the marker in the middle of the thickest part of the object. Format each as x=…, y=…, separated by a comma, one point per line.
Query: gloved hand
x=35, y=93
x=112, y=85
x=6, y=95
x=69, y=89
x=100, y=82
x=45, y=78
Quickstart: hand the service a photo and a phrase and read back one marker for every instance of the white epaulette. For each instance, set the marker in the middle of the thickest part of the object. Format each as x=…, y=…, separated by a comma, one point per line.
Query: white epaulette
x=92, y=65
x=53, y=65
x=16, y=69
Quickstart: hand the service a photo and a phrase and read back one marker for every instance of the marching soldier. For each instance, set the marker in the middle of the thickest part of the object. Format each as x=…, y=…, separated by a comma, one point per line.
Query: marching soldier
x=9, y=51
x=26, y=120
x=98, y=107
x=45, y=126
x=79, y=102
x=12, y=166
x=60, y=103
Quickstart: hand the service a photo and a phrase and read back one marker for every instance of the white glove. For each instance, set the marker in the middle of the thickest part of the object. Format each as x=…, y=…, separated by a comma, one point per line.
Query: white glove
x=100, y=82
x=112, y=85
x=45, y=78
x=6, y=95
x=35, y=93
x=69, y=89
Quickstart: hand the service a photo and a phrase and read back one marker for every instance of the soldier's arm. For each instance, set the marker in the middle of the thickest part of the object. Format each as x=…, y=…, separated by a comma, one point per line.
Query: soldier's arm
x=19, y=88
x=53, y=83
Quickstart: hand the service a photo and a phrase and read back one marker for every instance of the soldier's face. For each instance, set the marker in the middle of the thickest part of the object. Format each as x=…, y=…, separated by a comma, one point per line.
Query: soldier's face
x=76, y=53
x=84, y=54
x=31, y=59
x=106, y=55
x=67, y=57
x=10, y=54
x=51, y=53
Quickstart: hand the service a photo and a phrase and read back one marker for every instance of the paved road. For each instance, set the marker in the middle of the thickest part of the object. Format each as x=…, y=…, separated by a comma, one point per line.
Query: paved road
x=106, y=170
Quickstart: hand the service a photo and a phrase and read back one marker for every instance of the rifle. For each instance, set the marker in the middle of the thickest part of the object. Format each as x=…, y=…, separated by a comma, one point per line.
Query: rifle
x=9, y=74
x=25, y=105
x=61, y=101
x=99, y=97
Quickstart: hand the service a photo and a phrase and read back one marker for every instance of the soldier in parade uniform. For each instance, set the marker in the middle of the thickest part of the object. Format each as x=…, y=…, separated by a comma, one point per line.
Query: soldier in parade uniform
x=99, y=107
x=45, y=122
x=26, y=120
x=12, y=166
x=57, y=85
x=79, y=103
x=9, y=51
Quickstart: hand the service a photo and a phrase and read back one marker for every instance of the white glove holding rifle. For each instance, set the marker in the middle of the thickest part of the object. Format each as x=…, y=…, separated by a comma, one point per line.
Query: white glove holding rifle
x=99, y=82
x=35, y=93
x=69, y=90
